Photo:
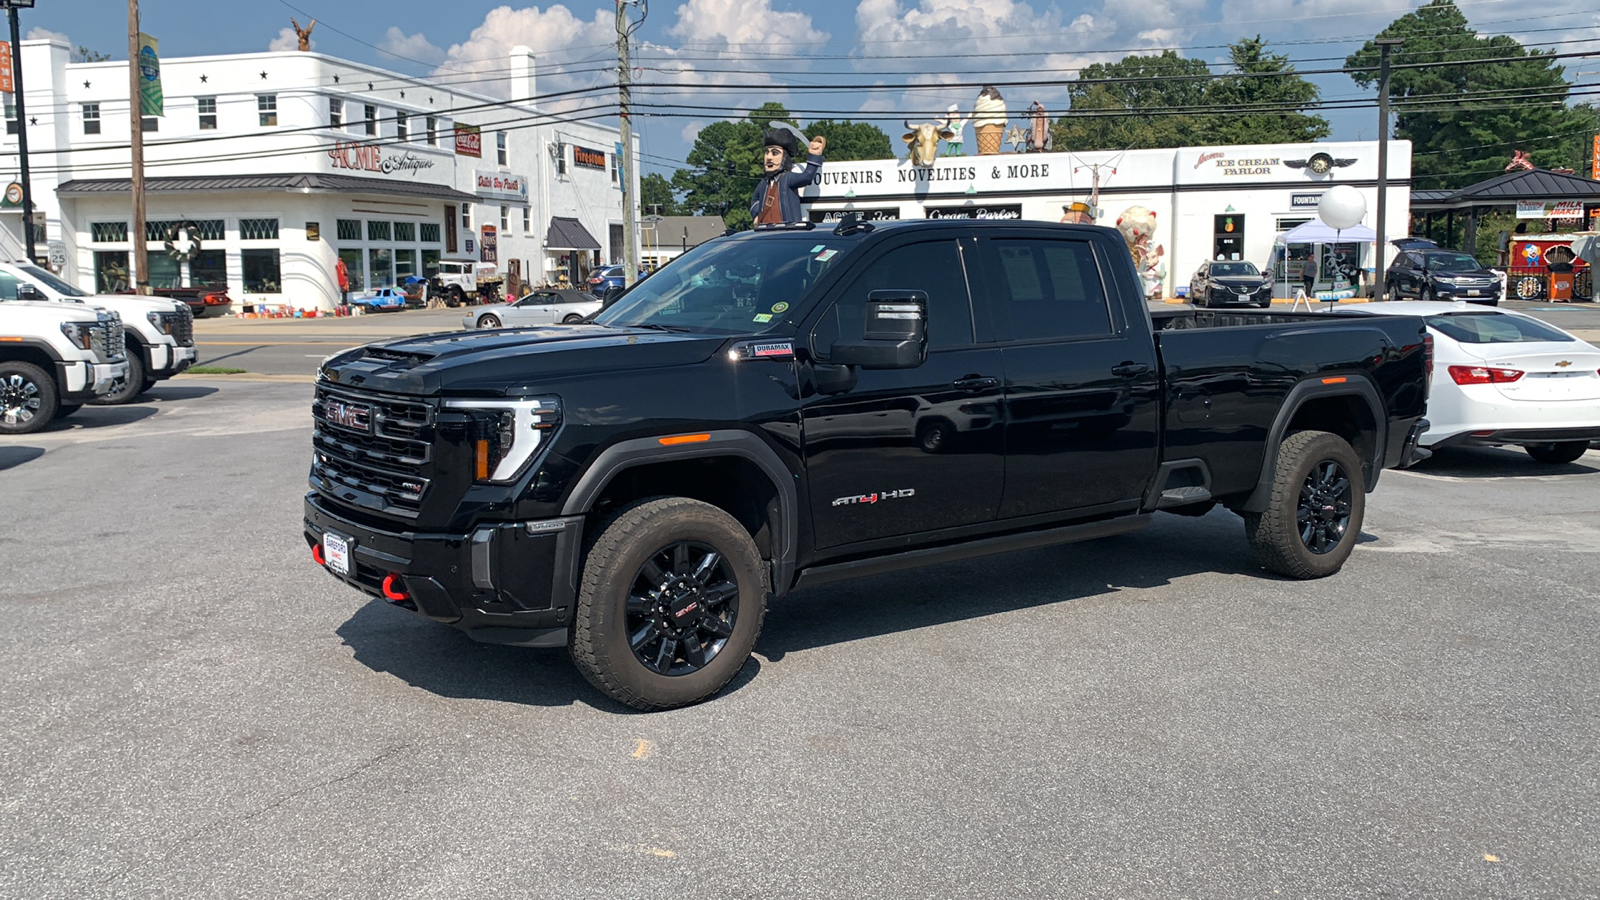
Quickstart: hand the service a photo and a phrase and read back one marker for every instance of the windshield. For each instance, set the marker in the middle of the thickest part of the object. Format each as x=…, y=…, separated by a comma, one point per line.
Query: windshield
x=1452, y=262
x=1494, y=328
x=1234, y=268
x=729, y=287
x=52, y=282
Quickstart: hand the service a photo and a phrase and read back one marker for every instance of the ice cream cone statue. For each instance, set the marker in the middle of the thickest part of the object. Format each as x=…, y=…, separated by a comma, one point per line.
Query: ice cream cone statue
x=989, y=121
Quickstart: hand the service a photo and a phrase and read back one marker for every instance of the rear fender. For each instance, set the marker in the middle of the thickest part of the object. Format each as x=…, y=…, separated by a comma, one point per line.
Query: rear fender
x=1357, y=387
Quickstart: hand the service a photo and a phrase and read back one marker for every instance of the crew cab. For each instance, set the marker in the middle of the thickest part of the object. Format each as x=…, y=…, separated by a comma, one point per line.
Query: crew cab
x=790, y=406
x=159, y=332
x=53, y=359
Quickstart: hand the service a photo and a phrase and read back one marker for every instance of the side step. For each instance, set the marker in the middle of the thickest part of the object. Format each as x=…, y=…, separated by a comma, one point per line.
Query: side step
x=1183, y=496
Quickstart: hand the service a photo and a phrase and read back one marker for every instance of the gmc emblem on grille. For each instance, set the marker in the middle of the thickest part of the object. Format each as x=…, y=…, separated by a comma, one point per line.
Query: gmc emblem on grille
x=355, y=416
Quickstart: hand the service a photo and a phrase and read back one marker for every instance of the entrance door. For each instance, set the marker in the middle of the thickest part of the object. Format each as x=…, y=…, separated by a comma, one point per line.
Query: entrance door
x=905, y=450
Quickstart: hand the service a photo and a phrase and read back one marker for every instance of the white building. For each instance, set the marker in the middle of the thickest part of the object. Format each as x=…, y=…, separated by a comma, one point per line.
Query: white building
x=285, y=163
x=1208, y=202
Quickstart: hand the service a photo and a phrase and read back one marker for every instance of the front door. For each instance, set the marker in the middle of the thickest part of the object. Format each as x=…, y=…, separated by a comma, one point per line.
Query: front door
x=1082, y=382
x=903, y=451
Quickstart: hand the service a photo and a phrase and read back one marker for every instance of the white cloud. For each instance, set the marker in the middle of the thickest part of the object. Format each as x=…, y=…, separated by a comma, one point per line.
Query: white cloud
x=45, y=34
x=415, y=47
x=556, y=37
x=744, y=24
x=691, y=130
x=288, y=40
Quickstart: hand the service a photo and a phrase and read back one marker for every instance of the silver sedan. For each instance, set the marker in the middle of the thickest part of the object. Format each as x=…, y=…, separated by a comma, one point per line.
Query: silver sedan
x=542, y=307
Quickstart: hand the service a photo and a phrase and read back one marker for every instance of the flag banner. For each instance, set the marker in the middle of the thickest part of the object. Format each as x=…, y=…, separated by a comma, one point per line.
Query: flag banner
x=150, y=100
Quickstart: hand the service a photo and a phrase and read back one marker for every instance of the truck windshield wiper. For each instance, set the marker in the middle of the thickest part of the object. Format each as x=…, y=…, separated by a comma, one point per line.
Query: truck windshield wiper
x=656, y=326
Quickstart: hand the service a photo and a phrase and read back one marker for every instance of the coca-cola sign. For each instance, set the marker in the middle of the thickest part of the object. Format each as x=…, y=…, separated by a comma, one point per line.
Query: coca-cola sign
x=469, y=141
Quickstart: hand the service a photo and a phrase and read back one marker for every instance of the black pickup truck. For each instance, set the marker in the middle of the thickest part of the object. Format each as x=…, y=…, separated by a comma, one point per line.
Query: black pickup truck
x=791, y=406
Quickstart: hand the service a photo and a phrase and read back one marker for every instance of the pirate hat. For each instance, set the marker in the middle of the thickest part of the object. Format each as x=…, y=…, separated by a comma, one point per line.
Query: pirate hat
x=782, y=134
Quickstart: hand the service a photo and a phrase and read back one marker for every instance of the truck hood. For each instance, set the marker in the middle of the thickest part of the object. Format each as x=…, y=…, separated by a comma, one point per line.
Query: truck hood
x=511, y=362
x=18, y=316
x=130, y=304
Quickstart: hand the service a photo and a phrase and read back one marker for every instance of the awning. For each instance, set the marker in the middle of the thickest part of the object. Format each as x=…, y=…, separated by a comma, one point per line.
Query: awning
x=1315, y=232
x=569, y=234
x=303, y=183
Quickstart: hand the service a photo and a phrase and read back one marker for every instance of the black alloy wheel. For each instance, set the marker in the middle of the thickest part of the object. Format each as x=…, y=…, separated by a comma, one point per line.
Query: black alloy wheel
x=682, y=606
x=1324, y=511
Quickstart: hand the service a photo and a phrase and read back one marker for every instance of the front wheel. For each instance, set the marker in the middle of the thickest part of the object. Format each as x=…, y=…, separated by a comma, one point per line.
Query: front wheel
x=1314, y=516
x=489, y=321
x=572, y=320
x=671, y=603
x=28, y=398
x=129, y=389
x=1558, y=452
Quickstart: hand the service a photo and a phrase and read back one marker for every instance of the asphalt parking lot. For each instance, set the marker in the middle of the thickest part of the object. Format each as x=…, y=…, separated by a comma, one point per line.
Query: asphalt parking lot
x=193, y=709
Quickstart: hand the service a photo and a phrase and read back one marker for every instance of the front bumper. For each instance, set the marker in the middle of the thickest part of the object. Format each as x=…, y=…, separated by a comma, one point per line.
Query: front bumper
x=167, y=361
x=84, y=381
x=1472, y=293
x=501, y=583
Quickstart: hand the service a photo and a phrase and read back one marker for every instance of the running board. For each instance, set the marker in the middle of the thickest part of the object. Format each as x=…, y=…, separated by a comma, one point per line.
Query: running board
x=911, y=559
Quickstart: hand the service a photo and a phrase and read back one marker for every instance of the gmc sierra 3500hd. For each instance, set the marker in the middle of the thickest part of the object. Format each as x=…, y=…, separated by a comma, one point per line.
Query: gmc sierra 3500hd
x=790, y=406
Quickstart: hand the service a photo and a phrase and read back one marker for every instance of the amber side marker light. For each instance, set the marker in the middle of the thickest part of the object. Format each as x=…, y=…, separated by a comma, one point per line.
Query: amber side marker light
x=482, y=471
x=1340, y=380
x=683, y=439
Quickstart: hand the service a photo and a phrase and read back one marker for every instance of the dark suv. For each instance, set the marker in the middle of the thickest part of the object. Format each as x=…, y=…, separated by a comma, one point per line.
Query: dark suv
x=1435, y=274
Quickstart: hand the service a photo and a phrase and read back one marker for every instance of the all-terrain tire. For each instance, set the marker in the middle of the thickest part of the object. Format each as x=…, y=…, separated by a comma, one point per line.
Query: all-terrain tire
x=638, y=590
x=130, y=389
x=28, y=398
x=1313, y=518
x=1558, y=452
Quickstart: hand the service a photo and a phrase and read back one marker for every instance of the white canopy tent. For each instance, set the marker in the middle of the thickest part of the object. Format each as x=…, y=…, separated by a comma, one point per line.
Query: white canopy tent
x=1318, y=232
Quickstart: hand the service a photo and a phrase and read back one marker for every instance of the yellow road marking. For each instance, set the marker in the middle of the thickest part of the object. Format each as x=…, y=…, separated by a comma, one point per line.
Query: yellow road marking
x=643, y=749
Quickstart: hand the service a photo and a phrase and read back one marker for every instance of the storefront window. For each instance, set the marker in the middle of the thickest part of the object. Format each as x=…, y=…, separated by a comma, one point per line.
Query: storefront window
x=1227, y=237
x=405, y=232
x=261, y=274
x=163, y=270
x=349, y=229
x=111, y=271
x=381, y=268
x=209, y=268
x=430, y=232
x=430, y=263
x=405, y=265
x=354, y=268
x=377, y=231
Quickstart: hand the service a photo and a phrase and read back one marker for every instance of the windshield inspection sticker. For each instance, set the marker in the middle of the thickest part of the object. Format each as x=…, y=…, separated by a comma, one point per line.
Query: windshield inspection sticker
x=780, y=307
x=826, y=255
x=763, y=317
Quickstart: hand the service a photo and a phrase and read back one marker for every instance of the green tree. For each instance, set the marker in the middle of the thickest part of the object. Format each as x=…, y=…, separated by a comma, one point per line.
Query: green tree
x=849, y=140
x=656, y=196
x=1263, y=80
x=85, y=55
x=1473, y=101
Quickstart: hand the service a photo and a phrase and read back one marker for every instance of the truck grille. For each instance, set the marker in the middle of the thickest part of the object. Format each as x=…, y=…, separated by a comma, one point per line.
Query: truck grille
x=108, y=341
x=371, y=450
x=183, y=325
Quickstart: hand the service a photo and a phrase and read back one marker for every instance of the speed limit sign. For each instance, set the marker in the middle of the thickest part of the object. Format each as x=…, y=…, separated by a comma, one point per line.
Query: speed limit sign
x=58, y=254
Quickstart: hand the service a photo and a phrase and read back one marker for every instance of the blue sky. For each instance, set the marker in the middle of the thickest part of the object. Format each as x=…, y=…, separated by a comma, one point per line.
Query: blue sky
x=906, y=58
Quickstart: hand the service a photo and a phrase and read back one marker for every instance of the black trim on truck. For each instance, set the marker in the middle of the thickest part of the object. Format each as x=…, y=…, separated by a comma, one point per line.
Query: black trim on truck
x=1348, y=386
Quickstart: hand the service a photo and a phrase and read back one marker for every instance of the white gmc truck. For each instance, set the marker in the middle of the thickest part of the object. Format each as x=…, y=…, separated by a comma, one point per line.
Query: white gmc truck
x=55, y=358
x=159, y=332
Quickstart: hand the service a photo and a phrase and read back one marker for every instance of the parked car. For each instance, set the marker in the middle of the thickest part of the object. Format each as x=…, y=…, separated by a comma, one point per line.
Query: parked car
x=1434, y=274
x=545, y=307
x=1506, y=378
x=54, y=358
x=203, y=301
x=387, y=299
x=600, y=280
x=1226, y=283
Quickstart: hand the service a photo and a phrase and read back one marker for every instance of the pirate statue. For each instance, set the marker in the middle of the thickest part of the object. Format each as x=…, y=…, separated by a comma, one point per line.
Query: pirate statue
x=776, y=199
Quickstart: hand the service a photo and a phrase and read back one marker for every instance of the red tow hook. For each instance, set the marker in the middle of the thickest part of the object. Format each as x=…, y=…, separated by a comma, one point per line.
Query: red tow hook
x=316, y=555
x=391, y=589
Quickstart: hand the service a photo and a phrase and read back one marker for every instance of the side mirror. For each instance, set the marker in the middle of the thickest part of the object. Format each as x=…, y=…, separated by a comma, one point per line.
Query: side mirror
x=29, y=292
x=896, y=333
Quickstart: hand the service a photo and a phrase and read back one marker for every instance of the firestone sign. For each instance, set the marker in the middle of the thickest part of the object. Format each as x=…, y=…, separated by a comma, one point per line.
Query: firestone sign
x=369, y=158
x=500, y=185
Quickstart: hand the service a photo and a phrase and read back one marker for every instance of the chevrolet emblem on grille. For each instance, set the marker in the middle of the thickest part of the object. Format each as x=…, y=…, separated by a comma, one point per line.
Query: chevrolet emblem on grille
x=355, y=416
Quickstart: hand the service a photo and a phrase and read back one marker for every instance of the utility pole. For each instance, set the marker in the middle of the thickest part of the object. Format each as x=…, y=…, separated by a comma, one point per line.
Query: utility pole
x=1094, y=192
x=141, y=253
x=630, y=255
x=22, y=128
x=1378, y=274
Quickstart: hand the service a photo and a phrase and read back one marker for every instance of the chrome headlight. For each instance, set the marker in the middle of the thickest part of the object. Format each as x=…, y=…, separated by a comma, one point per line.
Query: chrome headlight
x=80, y=334
x=161, y=321
x=505, y=434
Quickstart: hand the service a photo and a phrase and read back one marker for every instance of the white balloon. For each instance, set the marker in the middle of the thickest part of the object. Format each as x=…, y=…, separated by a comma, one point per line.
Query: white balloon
x=1342, y=207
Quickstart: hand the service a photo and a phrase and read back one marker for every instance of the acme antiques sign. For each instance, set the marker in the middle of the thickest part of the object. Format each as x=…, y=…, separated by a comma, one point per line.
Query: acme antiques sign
x=368, y=158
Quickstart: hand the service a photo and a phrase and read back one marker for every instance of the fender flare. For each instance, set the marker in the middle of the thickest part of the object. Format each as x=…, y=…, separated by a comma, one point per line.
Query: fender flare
x=727, y=442
x=1314, y=389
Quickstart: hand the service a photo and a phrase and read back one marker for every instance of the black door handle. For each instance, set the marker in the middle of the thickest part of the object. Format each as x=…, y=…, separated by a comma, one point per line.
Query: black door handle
x=976, y=382
x=1129, y=369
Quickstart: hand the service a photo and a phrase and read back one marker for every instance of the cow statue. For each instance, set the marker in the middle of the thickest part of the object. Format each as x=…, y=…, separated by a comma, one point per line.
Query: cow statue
x=923, y=142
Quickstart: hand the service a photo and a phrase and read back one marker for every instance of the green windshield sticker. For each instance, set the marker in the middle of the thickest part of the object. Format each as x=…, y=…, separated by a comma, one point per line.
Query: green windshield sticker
x=780, y=307
x=817, y=248
x=763, y=317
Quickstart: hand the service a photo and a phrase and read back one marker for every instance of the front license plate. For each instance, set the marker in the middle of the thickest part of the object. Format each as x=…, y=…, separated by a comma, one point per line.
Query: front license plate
x=336, y=552
x=1472, y=292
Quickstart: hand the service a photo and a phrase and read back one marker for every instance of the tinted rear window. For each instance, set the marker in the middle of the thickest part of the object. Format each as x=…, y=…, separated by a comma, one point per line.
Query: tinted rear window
x=1494, y=328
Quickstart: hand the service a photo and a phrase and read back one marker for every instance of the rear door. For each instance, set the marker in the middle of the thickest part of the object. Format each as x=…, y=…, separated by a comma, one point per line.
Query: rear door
x=903, y=451
x=1082, y=389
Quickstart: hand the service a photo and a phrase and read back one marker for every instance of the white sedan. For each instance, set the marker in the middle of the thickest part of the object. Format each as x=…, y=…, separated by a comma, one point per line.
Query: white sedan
x=543, y=307
x=1504, y=378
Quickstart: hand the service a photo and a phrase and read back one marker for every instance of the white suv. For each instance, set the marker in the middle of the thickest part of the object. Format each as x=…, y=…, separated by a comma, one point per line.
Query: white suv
x=159, y=332
x=54, y=359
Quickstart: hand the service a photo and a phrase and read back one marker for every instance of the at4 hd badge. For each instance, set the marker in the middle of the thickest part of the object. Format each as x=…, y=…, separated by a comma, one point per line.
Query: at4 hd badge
x=874, y=498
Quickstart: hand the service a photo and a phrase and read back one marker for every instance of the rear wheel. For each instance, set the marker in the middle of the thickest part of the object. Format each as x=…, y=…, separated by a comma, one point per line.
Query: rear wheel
x=456, y=296
x=129, y=389
x=1427, y=293
x=1558, y=452
x=671, y=603
x=1314, y=515
x=489, y=320
x=572, y=320
x=1391, y=291
x=28, y=398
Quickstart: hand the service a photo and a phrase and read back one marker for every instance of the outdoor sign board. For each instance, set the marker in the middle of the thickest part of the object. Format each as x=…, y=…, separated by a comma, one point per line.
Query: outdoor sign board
x=367, y=157
x=490, y=246
x=1304, y=201
x=835, y=216
x=469, y=140
x=8, y=87
x=589, y=159
x=1000, y=211
x=500, y=185
x=1549, y=209
x=1595, y=172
